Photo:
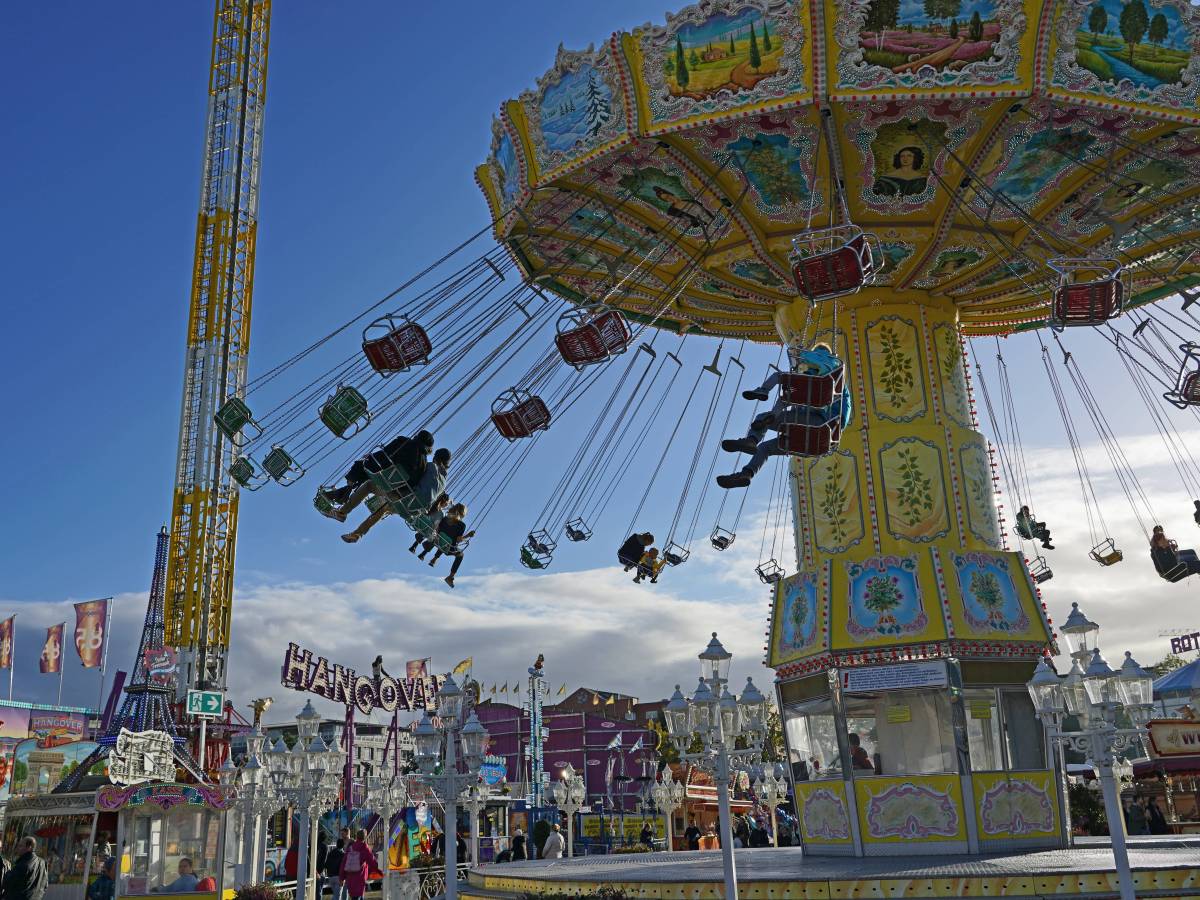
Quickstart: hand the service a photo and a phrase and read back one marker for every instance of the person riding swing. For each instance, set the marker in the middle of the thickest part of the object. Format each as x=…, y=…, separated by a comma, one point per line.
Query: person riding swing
x=1032, y=530
x=817, y=361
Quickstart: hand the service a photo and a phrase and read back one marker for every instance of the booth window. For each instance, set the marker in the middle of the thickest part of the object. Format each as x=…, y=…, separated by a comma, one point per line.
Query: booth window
x=1003, y=731
x=983, y=729
x=900, y=733
x=812, y=741
x=158, y=841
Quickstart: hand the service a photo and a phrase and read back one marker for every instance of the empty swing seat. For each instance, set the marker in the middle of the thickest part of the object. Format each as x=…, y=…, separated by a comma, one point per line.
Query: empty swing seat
x=770, y=572
x=345, y=413
x=812, y=390
x=281, y=466
x=1039, y=570
x=721, y=539
x=675, y=555
x=1187, y=385
x=1089, y=292
x=394, y=344
x=232, y=417
x=518, y=414
x=591, y=335
x=246, y=474
x=832, y=262
x=577, y=530
x=1106, y=553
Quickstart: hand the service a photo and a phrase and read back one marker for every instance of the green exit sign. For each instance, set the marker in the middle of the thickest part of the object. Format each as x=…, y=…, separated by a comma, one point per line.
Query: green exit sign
x=205, y=703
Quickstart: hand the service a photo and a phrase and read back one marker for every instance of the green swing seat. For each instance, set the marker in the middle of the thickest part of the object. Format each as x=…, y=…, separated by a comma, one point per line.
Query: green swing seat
x=232, y=417
x=282, y=466
x=345, y=413
x=391, y=487
x=246, y=475
x=529, y=561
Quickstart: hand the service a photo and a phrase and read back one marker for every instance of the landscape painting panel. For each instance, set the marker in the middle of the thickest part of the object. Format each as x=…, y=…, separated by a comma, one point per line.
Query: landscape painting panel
x=907, y=35
x=724, y=52
x=1139, y=42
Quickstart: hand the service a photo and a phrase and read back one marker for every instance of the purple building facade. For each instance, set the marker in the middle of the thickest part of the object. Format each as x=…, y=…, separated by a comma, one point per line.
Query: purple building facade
x=581, y=739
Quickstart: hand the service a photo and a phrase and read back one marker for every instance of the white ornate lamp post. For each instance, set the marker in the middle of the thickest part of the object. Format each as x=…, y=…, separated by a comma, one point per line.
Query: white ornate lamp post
x=434, y=747
x=256, y=798
x=569, y=794
x=386, y=794
x=307, y=777
x=772, y=791
x=719, y=720
x=1095, y=699
x=668, y=794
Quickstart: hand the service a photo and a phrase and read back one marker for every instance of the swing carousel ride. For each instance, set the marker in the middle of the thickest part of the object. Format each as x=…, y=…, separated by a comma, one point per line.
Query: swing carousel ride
x=900, y=185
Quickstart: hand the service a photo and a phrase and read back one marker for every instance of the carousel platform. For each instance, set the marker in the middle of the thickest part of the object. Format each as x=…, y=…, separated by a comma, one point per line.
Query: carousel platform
x=1161, y=870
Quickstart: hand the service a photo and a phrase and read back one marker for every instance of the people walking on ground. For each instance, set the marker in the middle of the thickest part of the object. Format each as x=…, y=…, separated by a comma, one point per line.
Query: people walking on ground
x=1135, y=817
x=647, y=835
x=555, y=844
x=1155, y=818
x=518, y=846
x=333, y=867
x=103, y=886
x=28, y=878
x=357, y=864
x=709, y=841
x=691, y=834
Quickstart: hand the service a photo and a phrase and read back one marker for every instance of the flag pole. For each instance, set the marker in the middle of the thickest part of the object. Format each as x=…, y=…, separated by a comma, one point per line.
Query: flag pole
x=104, y=655
x=61, y=662
x=12, y=655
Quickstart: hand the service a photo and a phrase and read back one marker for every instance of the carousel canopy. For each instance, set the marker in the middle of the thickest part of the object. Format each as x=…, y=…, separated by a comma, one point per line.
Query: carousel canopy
x=667, y=170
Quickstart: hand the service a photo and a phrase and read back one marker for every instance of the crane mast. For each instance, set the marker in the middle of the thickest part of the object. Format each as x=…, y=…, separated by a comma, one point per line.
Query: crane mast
x=205, y=504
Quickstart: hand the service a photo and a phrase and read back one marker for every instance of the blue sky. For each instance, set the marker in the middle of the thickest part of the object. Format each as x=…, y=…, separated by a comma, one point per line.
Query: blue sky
x=375, y=120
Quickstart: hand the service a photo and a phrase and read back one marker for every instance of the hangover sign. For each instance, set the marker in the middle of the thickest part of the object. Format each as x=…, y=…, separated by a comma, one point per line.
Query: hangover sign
x=317, y=675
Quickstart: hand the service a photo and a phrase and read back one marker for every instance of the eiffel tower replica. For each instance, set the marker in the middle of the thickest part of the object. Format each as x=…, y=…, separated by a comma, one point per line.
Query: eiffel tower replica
x=147, y=703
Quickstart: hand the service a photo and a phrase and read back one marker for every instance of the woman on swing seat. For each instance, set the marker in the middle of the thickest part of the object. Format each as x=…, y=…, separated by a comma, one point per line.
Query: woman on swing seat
x=1168, y=557
x=447, y=538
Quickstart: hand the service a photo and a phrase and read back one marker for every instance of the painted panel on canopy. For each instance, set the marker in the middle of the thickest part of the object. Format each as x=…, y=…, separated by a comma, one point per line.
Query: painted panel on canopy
x=953, y=263
x=1138, y=188
x=905, y=46
x=913, y=480
x=728, y=57
x=654, y=185
x=1037, y=151
x=777, y=153
x=576, y=112
x=823, y=816
x=903, y=148
x=884, y=603
x=990, y=597
x=918, y=807
x=507, y=162
x=895, y=253
x=800, y=624
x=835, y=499
x=1140, y=53
x=1015, y=805
x=979, y=490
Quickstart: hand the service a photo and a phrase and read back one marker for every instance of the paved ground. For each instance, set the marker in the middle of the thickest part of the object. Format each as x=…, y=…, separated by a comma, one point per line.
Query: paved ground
x=790, y=864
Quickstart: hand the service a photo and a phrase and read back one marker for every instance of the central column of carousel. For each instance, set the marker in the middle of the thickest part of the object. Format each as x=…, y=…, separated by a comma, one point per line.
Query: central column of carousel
x=903, y=644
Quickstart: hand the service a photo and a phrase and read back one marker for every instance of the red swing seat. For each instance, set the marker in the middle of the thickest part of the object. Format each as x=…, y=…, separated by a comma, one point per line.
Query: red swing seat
x=832, y=262
x=394, y=344
x=810, y=440
x=1091, y=301
x=518, y=414
x=812, y=390
x=592, y=335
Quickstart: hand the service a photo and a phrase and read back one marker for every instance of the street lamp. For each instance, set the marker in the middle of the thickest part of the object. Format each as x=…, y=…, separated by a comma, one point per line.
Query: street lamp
x=772, y=791
x=720, y=723
x=256, y=798
x=1095, y=697
x=668, y=794
x=307, y=777
x=569, y=794
x=475, y=798
x=433, y=743
x=385, y=795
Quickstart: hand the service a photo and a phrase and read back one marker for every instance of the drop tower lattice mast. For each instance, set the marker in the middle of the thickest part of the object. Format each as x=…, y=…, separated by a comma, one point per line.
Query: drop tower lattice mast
x=199, y=582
